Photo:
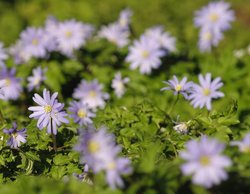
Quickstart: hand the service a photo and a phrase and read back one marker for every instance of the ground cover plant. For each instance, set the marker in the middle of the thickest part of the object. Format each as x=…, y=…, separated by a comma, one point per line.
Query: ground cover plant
x=120, y=97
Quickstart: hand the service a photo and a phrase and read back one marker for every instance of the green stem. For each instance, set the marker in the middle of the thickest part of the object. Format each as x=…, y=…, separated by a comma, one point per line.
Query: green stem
x=54, y=140
x=173, y=104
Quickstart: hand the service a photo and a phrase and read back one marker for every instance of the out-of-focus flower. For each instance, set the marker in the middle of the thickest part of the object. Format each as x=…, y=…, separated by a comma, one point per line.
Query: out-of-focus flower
x=115, y=34
x=51, y=27
x=33, y=42
x=118, y=84
x=49, y=112
x=215, y=16
x=179, y=87
x=71, y=35
x=3, y=54
x=205, y=162
x=19, y=55
x=124, y=18
x=11, y=88
x=243, y=145
x=16, y=137
x=36, y=79
x=164, y=39
x=91, y=94
x=202, y=95
x=81, y=113
x=145, y=53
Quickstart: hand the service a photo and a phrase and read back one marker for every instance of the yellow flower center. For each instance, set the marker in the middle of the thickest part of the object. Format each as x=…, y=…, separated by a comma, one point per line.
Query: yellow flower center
x=205, y=160
x=178, y=87
x=206, y=92
x=207, y=36
x=213, y=17
x=35, y=42
x=93, y=147
x=111, y=166
x=92, y=94
x=47, y=108
x=7, y=81
x=81, y=113
x=36, y=81
x=68, y=34
x=145, y=54
x=14, y=135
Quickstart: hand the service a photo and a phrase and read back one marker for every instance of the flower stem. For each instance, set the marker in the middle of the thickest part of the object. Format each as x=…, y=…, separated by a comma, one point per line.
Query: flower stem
x=54, y=141
x=173, y=104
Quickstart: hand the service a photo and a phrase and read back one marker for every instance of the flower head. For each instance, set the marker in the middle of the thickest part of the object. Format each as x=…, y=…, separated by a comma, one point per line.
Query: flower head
x=145, y=53
x=16, y=137
x=205, y=162
x=49, y=112
x=91, y=94
x=3, y=54
x=243, y=145
x=124, y=18
x=81, y=113
x=36, y=79
x=202, y=95
x=118, y=84
x=11, y=88
x=179, y=87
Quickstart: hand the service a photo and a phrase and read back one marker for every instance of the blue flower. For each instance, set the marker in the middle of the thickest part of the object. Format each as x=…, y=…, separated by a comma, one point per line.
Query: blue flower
x=243, y=145
x=118, y=84
x=49, y=112
x=16, y=137
x=179, y=87
x=81, y=113
x=202, y=95
x=205, y=162
x=36, y=79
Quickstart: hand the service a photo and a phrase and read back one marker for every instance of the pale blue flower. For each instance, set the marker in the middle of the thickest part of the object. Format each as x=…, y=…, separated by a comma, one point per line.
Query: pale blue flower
x=179, y=87
x=145, y=53
x=125, y=18
x=16, y=137
x=205, y=162
x=202, y=95
x=81, y=113
x=36, y=79
x=49, y=113
x=91, y=93
x=118, y=84
x=243, y=145
x=19, y=54
x=3, y=54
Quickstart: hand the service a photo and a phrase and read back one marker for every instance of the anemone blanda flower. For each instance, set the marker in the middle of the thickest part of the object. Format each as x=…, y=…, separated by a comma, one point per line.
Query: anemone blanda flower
x=3, y=54
x=81, y=113
x=71, y=35
x=91, y=93
x=16, y=137
x=118, y=84
x=33, y=42
x=124, y=18
x=11, y=86
x=205, y=162
x=164, y=39
x=244, y=145
x=215, y=16
x=19, y=54
x=202, y=95
x=145, y=53
x=36, y=79
x=115, y=34
x=179, y=87
x=49, y=112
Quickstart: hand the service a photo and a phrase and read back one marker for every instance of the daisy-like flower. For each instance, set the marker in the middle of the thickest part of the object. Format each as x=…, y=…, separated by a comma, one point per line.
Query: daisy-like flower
x=11, y=86
x=71, y=35
x=164, y=39
x=124, y=18
x=115, y=34
x=16, y=137
x=179, y=87
x=81, y=113
x=49, y=112
x=36, y=79
x=19, y=54
x=243, y=145
x=33, y=42
x=205, y=162
x=202, y=95
x=215, y=16
x=3, y=54
x=91, y=94
x=145, y=54
x=118, y=84
x=209, y=38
